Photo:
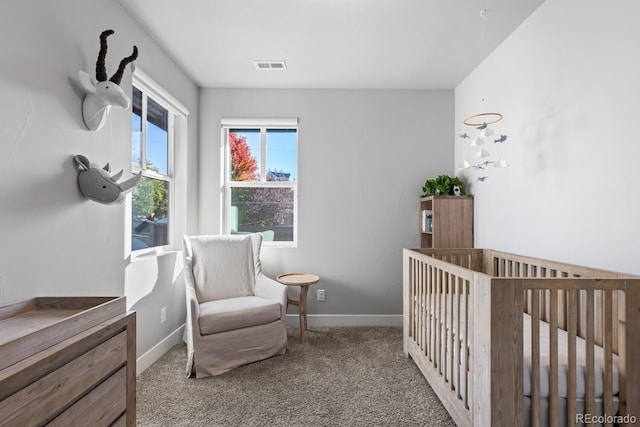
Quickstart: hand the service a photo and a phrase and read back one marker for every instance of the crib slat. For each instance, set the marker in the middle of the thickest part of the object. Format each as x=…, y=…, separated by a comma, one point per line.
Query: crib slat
x=432, y=314
x=535, y=358
x=428, y=320
x=421, y=317
x=614, y=318
x=427, y=309
x=456, y=346
x=449, y=322
x=418, y=296
x=438, y=348
x=418, y=309
x=421, y=301
x=590, y=393
x=446, y=327
x=449, y=330
x=608, y=362
x=465, y=347
x=571, y=374
x=455, y=314
x=435, y=320
x=443, y=323
x=582, y=315
x=414, y=298
x=562, y=313
x=455, y=333
x=553, y=362
x=599, y=317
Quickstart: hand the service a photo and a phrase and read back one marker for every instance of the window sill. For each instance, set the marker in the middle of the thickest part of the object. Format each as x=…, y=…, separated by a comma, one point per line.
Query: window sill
x=279, y=245
x=157, y=252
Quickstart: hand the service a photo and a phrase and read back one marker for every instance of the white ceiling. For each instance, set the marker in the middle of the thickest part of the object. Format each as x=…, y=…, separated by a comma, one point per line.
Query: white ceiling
x=337, y=44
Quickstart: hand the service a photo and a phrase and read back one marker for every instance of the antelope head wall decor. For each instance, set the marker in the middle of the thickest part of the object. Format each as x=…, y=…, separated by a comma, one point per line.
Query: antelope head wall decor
x=102, y=94
x=99, y=185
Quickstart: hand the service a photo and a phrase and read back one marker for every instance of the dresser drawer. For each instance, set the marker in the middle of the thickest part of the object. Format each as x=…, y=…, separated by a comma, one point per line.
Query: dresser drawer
x=101, y=407
x=64, y=387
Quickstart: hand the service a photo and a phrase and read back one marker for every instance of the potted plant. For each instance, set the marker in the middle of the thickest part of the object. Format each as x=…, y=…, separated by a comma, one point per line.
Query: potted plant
x=442, y=185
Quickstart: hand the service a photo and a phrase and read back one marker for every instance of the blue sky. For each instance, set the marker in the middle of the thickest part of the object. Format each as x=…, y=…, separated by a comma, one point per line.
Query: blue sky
x=156, y=144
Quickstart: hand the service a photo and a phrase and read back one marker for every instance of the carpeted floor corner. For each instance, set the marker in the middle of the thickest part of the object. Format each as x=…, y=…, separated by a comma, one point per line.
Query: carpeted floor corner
x=337, y=377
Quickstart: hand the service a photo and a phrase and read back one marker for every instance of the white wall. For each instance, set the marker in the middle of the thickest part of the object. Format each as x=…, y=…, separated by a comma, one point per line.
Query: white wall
x=52, y=240
x=567, y=83
x=363, y=158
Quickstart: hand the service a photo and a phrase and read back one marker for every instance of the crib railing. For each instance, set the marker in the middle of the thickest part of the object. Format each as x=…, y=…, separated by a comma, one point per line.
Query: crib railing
x=438, y=323
x=464, y=329
x=501, y=264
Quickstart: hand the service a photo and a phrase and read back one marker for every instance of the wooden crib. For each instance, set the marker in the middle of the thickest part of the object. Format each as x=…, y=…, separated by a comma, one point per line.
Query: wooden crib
x=508, y=340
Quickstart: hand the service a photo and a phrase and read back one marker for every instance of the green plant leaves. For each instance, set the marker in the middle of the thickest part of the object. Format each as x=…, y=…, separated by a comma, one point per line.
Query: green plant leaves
x=442, y=186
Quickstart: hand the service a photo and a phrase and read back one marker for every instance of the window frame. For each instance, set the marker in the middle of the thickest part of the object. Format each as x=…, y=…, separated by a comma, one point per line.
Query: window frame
x=175, y=110
x=263, y=125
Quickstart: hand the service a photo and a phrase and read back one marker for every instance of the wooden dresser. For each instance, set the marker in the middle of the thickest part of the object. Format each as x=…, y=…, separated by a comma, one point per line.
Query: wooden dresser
x=67, y=361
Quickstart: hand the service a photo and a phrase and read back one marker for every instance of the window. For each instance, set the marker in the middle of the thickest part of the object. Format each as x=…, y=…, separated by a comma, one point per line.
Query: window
x=152, y=153
x=261, y=179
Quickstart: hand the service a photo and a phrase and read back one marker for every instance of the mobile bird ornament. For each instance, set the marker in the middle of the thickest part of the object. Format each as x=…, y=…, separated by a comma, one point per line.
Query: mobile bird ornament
x=97, y=183
x=102, y=94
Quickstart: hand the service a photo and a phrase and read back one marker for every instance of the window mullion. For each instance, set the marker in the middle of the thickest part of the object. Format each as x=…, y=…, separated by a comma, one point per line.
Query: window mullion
x=258, y=184
x=171, y=134
x=155, y=175
x=263, y=154
x=143, y=142
x=170, y=141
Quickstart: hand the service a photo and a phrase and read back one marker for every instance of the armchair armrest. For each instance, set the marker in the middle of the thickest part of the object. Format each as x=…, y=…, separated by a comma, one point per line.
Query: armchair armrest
x=266, y=287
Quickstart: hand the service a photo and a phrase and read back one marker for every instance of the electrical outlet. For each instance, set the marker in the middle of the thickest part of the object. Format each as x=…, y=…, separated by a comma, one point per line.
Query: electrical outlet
x=320, y=295
x=163, y=314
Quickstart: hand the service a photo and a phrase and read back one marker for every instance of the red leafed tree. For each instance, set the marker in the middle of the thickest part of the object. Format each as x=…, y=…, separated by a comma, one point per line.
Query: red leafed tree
x=243, y=164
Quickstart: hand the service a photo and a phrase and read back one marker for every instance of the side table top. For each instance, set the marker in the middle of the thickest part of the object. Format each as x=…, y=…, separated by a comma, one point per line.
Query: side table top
x=298, y=279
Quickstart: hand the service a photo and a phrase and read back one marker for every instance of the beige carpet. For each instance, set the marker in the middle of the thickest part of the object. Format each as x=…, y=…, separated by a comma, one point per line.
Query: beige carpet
x=337, y=377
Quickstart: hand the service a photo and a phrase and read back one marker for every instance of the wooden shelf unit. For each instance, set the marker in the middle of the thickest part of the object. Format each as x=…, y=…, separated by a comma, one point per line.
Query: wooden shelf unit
x=452, y=222
x=68, y=361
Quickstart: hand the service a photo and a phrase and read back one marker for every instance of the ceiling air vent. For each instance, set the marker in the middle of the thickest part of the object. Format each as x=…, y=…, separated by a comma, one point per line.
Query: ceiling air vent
x=270, y=65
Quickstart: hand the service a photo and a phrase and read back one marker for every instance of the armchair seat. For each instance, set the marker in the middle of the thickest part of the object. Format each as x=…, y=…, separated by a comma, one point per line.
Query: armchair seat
x=236, y=313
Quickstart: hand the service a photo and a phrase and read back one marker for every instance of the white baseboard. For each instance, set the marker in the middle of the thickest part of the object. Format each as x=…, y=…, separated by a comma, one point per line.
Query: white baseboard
x=158, y=350
x=346, y=320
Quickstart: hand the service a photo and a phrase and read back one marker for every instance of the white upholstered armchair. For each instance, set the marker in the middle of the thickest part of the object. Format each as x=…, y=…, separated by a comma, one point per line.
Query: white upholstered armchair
x=235, y=314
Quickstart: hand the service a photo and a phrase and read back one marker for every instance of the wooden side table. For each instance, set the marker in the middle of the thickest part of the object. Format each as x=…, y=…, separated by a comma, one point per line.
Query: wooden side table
x=304, y=280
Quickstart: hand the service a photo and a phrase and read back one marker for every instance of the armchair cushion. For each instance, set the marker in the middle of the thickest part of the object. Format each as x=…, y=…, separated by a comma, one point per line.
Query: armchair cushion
x=236, y=313
x=223, y=267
